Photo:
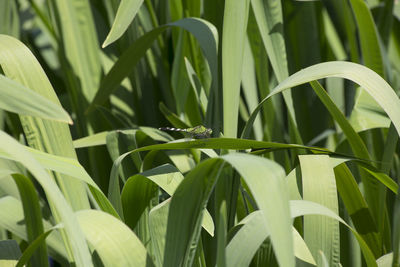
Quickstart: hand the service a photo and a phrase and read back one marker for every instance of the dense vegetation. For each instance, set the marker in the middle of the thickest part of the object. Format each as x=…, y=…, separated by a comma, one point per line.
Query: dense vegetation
x=302, y=168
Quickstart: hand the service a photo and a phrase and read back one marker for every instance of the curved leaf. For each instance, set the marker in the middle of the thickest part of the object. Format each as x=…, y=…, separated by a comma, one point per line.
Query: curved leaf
x=39, y=241
x=265, y=180
x=319, y=185
x=185, y=213
x=126, y=13
x=77, y=244
x=18, y=62
x=16, y=98
x=32, y=218
x=204, y=31
x=303, y=207
x=375, y=85
x=114, y=242
x=11, y=215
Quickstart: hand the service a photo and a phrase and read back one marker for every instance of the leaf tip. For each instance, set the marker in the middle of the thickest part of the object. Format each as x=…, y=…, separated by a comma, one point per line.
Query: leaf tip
x=107, y=42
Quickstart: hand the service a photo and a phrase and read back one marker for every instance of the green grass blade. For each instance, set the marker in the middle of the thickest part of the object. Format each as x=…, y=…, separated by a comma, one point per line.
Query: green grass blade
x=9, y=21
x=367, y=114
x=357, y=207
x=222, y=235
x=80, y=44
x=141, y=193
x=97, y=139
x=168, y=178
x=202, y=30
x=269, y=16
x=386, y=260
x=396, y=233
x=185, y=213
x=226, y=143
x=270, y=23
x=77, y=244
x=355, y=141
x=373, y=195
x=271, y=118
x=127, y=11
x=197, y=87
x=179, y=81
x=121, y=141
x=234, y=33
x=385, y=21
x=158, y=219
x=375, y=85
x=16, y=98
x=39, y=241
x=249, y=85
x=172, y=117
x=369, y=42
x=11, y=215
x=114, y=242
x=165, y=176
x=319, y=186
x=303, y=207
x=33, y=217
x=301, y=249
x=49, y=136
x=384, y=179
x=72, y=168
x=253, y=231
x=333, y=38
x=265, y=180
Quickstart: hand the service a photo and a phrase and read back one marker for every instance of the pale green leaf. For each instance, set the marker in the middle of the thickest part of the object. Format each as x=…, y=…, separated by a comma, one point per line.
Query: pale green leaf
x=205, y=33
x=126, y=13
x=40, y=240
x=114, y=242
x=97, y=139
x=16, y=98
x=158, y=219
x=18, y=62
x=319, y=185
x=186, y=210
x=303, y=207
x=375, y=85
x=76, y=242
x=236, y=14
x=32, y=217
x=265, y=180
x=80, y=44
x=11, y=214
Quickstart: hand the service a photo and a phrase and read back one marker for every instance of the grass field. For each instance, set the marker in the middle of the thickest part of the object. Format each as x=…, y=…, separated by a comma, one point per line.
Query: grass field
x=302, y=167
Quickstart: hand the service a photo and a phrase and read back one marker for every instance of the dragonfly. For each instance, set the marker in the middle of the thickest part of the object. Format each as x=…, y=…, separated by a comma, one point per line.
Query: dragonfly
x=197, y=132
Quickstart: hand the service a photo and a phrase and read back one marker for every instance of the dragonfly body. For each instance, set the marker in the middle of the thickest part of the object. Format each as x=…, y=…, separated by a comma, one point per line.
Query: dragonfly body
x=197, y=132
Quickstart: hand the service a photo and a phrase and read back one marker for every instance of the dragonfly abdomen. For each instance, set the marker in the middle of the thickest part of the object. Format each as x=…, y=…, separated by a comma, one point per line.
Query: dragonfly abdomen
x=196, y=132
x=172, y=129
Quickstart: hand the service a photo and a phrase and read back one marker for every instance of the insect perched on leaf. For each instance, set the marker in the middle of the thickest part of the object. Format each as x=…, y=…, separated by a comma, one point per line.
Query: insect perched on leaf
x=197, y=132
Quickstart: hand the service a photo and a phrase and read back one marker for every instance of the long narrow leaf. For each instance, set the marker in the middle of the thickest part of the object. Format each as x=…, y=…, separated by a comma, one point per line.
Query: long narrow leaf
x=78, y=247
x=204, y=32
x=33, y=217
x=126, y=13
x=319, y=186
x=16, y=98
x=236, y=14
x=375, y=85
